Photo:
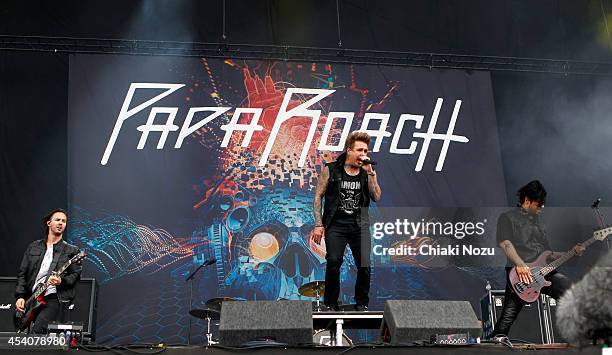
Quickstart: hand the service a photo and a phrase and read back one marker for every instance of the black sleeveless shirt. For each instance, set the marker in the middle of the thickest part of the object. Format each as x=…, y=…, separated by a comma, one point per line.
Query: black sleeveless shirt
x=333, y=202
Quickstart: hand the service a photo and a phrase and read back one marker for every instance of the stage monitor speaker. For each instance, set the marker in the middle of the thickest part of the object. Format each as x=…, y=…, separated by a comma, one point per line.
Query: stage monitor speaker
x=83, y=307
x=287, y=322
x=417, y=320
x=528, y=326
x=7, y=303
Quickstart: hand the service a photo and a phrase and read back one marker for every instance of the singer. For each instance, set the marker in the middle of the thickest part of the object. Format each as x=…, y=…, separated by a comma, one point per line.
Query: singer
x=347, y=185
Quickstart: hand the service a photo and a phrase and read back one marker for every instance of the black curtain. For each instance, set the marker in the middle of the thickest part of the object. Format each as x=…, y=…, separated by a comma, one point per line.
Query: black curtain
x=33, y=153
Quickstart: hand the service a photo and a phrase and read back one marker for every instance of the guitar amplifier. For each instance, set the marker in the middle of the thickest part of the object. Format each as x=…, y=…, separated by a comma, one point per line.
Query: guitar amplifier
x=529, y=326
x=550, y=311
x=7, y=303
x=81, y=309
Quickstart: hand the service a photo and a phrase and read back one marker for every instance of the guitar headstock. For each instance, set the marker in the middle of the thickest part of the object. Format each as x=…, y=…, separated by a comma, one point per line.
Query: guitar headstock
x=80, y=256
x=602, y=234
x=75, y=259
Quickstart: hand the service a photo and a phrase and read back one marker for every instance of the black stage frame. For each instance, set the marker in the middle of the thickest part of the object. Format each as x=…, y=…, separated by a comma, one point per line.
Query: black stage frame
x=70, y=45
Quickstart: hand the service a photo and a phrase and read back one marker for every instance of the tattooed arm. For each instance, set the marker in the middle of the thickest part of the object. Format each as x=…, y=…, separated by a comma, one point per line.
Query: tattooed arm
x=522, y=270
x=373, y=186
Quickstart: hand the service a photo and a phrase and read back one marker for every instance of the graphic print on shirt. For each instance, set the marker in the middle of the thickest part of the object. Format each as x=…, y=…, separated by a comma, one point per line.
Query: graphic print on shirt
x=350, y=194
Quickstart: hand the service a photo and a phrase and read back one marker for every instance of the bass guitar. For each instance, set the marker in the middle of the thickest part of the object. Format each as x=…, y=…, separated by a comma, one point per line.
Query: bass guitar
x=540, y=268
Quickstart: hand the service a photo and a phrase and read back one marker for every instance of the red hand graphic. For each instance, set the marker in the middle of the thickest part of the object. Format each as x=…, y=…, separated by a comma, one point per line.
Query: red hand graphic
x=263, y=94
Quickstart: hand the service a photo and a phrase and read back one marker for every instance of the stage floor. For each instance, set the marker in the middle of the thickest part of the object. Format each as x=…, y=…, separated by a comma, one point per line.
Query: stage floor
x=360, y=349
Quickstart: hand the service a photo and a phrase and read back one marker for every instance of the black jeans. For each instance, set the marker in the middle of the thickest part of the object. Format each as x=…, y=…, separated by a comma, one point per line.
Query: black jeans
x=336, y=238
x=51, y=311
x=513, y=304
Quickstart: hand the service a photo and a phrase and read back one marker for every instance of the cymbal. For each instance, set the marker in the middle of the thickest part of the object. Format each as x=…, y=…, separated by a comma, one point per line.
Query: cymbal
x=312, y=288
x=205, y=313
x=217, y=302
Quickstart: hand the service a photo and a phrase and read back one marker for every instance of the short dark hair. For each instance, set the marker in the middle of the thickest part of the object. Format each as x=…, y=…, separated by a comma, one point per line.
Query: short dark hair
x=534, y=190
x=48, y=216
x=356, y=136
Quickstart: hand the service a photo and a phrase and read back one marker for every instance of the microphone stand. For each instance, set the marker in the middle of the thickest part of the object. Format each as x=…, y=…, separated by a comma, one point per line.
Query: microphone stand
x=190, y=280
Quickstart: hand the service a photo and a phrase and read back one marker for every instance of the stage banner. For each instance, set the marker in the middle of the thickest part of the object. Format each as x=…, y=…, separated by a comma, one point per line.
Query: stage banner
x=177, y=161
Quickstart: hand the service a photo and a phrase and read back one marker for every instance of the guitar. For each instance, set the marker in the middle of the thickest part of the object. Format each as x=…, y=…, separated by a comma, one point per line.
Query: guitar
x=22, y=320
x=539, y=268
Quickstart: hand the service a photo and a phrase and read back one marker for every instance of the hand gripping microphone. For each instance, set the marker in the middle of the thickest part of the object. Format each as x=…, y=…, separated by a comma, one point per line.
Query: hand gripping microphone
x=368, y=161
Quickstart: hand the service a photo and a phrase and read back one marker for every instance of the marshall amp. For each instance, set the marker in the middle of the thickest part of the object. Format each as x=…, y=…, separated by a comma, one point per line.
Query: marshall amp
x=7, y=303
x=82, y=309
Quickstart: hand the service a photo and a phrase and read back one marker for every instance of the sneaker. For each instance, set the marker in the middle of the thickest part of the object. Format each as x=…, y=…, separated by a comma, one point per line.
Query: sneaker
x=499, y=338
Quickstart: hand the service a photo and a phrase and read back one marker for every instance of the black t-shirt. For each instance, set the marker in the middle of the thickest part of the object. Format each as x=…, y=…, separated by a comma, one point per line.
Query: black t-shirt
x=525, y=231
x=350, y=199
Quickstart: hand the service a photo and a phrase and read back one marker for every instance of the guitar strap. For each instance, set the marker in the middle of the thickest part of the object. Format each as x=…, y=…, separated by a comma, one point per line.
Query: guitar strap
x=58, y=249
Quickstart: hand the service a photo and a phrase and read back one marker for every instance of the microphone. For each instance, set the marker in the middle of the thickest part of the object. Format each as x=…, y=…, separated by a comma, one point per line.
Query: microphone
x=206, y=263
x=596, y=203
x=368, y=161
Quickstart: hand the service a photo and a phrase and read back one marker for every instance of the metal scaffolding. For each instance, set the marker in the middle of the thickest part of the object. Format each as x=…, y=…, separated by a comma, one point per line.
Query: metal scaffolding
x=302, y=54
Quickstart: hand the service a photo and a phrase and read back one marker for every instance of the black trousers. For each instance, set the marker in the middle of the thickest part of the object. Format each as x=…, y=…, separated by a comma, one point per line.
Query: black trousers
x=49, y=312
x=513, y=304
x=337, y=236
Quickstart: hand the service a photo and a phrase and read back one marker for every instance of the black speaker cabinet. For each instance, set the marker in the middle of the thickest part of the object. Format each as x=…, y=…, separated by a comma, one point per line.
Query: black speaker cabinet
x=529, y=326
x=550, y=308
x=81, y=309
x=7, y=303
x=415, y=320
x=287, y=322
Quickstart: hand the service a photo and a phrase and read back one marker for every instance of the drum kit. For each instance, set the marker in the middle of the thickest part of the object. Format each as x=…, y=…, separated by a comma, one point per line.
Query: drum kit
x=210, y=313
x=314, y=289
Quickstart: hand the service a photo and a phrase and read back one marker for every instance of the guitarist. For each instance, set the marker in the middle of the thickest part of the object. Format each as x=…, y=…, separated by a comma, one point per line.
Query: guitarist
x=39, y=260
x=522, y=236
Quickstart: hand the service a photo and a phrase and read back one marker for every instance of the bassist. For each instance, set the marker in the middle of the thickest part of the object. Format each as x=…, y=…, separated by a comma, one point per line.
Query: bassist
x=522, y=237
x=39, y=260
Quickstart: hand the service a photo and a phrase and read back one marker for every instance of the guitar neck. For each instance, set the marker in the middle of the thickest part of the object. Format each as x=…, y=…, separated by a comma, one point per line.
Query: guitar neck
x=565, y=257
x=60, y=271
x=63, y=268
